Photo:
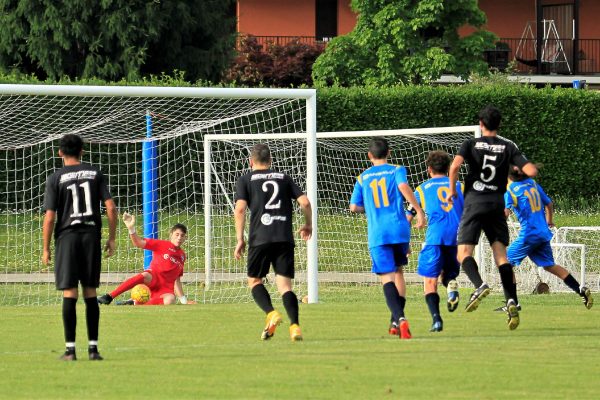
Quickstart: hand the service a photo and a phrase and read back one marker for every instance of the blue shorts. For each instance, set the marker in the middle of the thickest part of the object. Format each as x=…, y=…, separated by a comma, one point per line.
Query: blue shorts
x=433, y=259
x=540, y=253
x=389, y=257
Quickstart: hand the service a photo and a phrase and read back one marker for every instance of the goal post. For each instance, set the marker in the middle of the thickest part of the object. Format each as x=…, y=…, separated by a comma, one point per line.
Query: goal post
x=118, y=123
x=342, y=258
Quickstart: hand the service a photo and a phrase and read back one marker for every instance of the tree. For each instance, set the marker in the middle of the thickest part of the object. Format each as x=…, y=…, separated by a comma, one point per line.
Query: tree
x=113, y=39
x=273, y=64
x=405, y=41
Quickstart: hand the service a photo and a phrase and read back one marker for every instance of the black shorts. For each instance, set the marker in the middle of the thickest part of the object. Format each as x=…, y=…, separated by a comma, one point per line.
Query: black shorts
x=77, y=259
x=487, y=216
x=279, y=254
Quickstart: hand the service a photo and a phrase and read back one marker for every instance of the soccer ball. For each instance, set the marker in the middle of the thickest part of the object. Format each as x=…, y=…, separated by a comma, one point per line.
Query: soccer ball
x=140, y=294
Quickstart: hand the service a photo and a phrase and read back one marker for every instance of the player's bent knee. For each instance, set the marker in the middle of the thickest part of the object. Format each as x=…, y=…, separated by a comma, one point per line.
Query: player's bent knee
x=168, y=299
x=147, y=277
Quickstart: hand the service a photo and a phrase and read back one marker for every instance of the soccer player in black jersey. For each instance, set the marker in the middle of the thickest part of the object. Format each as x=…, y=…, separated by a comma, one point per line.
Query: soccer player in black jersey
x=72, y=199
x=488, y=159
x=269, y=195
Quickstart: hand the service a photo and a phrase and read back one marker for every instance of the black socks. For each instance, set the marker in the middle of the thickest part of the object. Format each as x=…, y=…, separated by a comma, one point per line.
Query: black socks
x=290, y=302
x=469, y=266
x=508, y=284
x=262, y=298
x=69, y=314
x=394, y=301
x=433, y=303
x=571, y=282
x=92, y=317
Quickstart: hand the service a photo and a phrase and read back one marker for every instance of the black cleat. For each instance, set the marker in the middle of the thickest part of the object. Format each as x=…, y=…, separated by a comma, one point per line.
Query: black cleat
x=68, y=356
x=479, y=294
x=129, y=302
x=513, y=315
x=504, y=309
x=95, y=356
x=586, y=297
x=105, y=299
x=437, y=326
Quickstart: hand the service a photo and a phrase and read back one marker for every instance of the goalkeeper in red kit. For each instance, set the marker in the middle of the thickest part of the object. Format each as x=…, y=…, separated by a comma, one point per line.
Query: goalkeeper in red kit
x=166, y=268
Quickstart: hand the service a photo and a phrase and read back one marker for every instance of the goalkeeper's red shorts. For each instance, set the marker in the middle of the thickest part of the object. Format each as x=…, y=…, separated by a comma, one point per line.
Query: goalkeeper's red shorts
x=159, y=286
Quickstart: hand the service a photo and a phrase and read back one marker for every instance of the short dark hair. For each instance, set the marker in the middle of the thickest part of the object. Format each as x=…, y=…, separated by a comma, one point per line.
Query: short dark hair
x=71, y=145
x=181, y=227
x=439, y=161
x=260, y=153
x=379, y=148
x=490, y=117
x=515, y=174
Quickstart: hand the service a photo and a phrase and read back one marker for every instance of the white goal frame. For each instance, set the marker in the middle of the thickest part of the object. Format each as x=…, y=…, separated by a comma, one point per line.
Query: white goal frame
x=311, y=183
x=306, y=95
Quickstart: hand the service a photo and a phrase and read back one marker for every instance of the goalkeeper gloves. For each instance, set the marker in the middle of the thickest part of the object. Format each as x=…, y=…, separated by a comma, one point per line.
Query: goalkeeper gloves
x=129, y=221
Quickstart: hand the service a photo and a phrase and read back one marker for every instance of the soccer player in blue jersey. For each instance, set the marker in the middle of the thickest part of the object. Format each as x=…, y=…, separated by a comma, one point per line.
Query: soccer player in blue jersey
x=379, y=192
x=438, y=259
x=534, y=210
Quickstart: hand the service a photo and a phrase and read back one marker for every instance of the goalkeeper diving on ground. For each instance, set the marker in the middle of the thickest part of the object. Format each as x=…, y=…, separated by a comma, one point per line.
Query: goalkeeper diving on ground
x=166, y=268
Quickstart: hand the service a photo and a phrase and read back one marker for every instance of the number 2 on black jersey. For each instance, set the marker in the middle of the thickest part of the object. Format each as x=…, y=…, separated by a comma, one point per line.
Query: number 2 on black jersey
x=75, y=197
x=271, y=205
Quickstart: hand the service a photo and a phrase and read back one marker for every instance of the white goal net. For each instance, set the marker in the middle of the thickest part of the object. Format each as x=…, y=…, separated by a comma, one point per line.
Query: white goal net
x=116, y=123
x=343, y=256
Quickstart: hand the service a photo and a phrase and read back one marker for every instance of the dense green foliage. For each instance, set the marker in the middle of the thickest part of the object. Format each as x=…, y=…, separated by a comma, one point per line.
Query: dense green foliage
x=555, y=127
x=116, y=39
x=405, y=41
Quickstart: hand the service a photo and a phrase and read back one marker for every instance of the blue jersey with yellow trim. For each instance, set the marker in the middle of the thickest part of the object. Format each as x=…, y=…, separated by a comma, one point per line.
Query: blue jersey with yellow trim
x=442, y=217
x=376, y=190
x=528, y=200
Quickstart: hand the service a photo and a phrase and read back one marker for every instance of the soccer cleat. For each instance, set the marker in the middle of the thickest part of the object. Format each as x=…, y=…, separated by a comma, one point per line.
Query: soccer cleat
x=513, y=314
x=394, y=329
x=105, y=299
x=586, y=297
x=129, y=302
x=68, y=356
x=295, y=333
x=504, y=309
x=437, y=326
x=479, y=294
x=453, y=295
x=95, y=356
x=273, y=320
x=404, y=329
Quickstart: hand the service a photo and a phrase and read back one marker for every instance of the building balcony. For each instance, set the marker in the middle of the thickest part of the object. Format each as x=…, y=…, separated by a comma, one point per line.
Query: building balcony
x=557, y=56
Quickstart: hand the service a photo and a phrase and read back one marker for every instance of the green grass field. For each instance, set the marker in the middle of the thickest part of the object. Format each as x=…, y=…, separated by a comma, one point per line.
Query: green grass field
x=214, y=351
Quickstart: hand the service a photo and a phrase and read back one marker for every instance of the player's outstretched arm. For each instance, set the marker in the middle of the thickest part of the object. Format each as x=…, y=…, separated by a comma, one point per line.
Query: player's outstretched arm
x=453, y=176
x=129, y=221
x=306, y=229
x=239, y=214
x=112, y=215
x=178, y=288
x=550, y=214
x=47, y=229
x=530, y=170
x=408, y=194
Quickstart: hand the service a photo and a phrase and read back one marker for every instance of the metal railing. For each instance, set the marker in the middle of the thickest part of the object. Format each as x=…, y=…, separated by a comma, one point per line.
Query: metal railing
x=519, y=53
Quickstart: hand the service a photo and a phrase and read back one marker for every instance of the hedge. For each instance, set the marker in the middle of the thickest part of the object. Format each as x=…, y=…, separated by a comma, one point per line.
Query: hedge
x=556, y=127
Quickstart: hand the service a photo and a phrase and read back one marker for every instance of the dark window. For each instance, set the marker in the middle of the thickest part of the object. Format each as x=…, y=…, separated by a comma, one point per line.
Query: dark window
x=326, y=14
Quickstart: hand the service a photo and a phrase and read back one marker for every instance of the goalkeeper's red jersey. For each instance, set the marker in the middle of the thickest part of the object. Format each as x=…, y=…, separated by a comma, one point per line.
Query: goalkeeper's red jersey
x=167, y=260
